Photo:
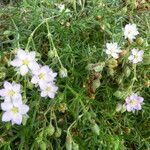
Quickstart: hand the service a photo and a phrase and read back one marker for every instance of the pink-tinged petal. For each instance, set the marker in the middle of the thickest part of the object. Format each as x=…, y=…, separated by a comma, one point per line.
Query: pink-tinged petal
x=7, y=116
x=134, y=51
x=16, y=87
x=45, y=68
x=108, y=52
x=6, y=106
x=131, y=57
x=16, y=62
x=17, y=118
x=7, y=85
x=2, y=92
x=24, y=70
x=138, y=107
x=24, y=109
x=51, y=95
x=128, y=99
x=135, y=61
x=17, y=102
x=42, y=85
x=115, y=55
x=140, y=99
x=43, y=94
x=33, y=66
x=7, y=99
x=34, y=80
x=141, y=52
x=129, y=108
x=17, y=97
x=21, y=53
x=32, y=55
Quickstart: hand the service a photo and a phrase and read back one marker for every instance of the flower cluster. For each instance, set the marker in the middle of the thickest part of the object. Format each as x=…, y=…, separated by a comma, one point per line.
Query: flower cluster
x=42, y=76
x=13, y=107
x=130, y=32
x=133, y=102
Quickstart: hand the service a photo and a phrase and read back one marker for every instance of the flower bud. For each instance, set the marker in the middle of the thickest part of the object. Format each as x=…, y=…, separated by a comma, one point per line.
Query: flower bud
x=95, y=128
x=50, y=130
x=51, y=54
x=42, y=145
x=127, y=72
x=63, y=72
x=111, y=72
x=30, y=85
x=139, y=41
x=119, y=94
x=75, y=146
x=24, y=119
x=69, y=142
x=123, y=108
x=96, y=83
x=2, y=75
x=112, y=63
x=119, y=107
x=58, y=132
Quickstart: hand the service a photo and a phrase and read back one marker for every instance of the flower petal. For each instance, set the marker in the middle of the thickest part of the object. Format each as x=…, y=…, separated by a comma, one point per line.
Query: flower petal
x=16, y=62
x=17, y=118
x=24, y=70
x=24, y=109
x=6, y=106
x=7, y=116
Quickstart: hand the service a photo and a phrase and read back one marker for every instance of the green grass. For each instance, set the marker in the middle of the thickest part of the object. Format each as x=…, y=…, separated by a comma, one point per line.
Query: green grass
x=79, y=39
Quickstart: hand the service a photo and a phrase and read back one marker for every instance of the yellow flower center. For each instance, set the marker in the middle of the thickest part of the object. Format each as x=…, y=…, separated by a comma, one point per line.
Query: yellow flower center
x=15, y=110
x=133, y=101
x=129, y=31
x=136, y=56
x=112, y=50
x=25, y=61
x=41, y=75
x=11, y=92
x=48, y=89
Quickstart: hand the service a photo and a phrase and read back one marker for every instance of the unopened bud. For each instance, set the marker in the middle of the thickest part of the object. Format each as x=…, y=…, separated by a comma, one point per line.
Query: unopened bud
x=58, y=132
x=95, y=128
x=119, y=94
x=75, y=146
x=50, y=130
x=51, y=54
x=69, y=142
x=139, y=41
x=119, y=107
x=112, y=63
x=63, y=72
x=96, y=83
x=127, y=72
x=42, y=145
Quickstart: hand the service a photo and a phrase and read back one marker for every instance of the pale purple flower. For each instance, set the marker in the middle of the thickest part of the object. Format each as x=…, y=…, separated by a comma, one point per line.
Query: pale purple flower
x=14, y=111
x=10, y=91
x=24, y=61
x=48, y=90
x=133, y=102
x=136, y=56
x=130, y=31
x=43, y=75
x=113, y=50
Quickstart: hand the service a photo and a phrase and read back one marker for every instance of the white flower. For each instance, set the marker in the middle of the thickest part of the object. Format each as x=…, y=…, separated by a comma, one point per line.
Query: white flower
x=25, y=61
x=130, y=31
x=113, y=50
x=49, y=90
x=61, y=8
x=14, y=111
x=43, y=75
x=136, y=56
x=10, y=91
